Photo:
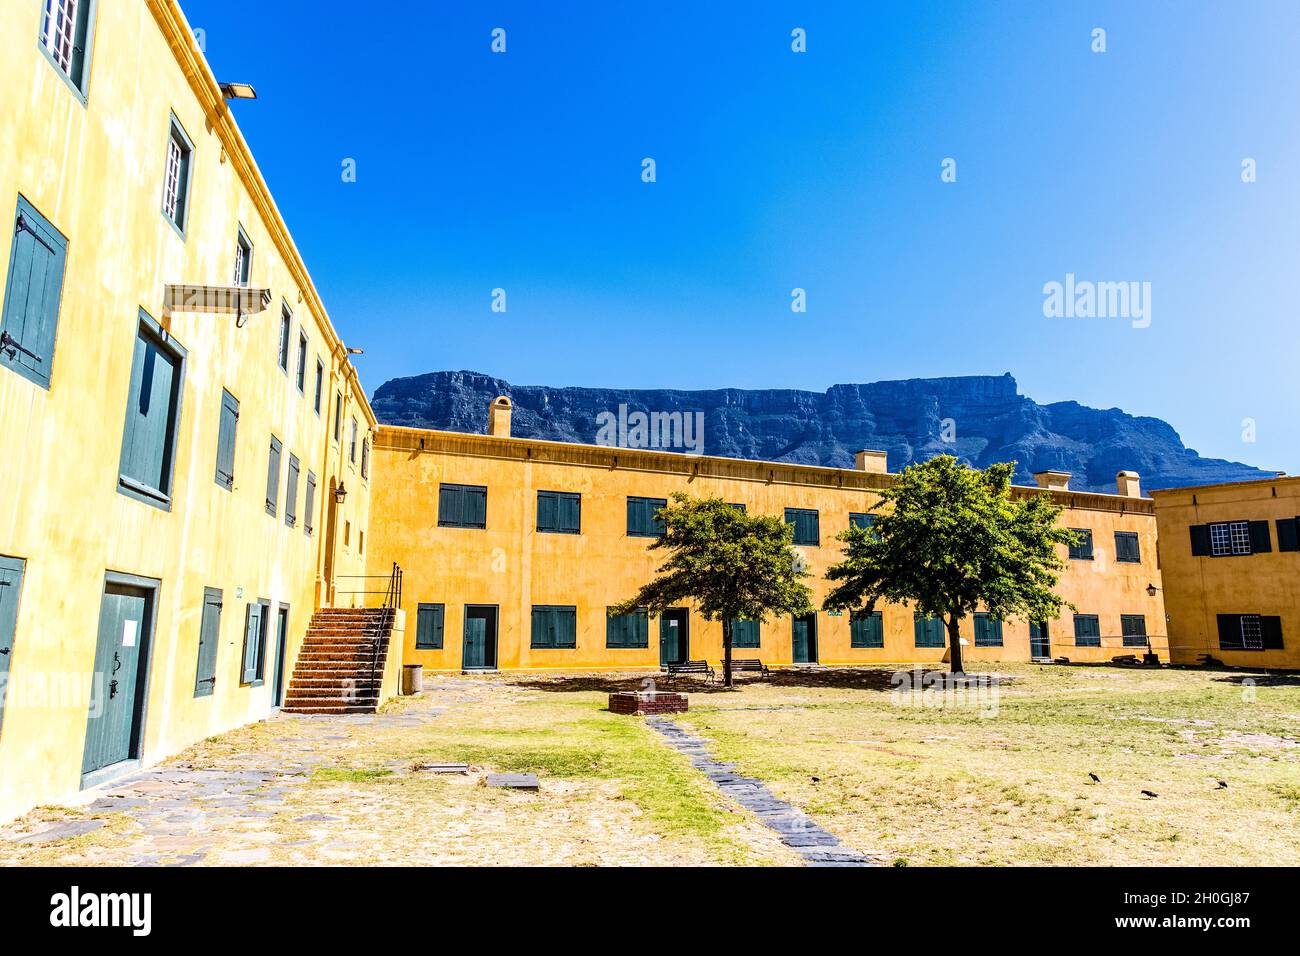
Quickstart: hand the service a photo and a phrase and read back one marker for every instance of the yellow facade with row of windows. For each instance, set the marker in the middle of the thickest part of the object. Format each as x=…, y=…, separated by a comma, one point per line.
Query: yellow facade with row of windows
x=1231, y=557
x=494, y=567
x=145, y=518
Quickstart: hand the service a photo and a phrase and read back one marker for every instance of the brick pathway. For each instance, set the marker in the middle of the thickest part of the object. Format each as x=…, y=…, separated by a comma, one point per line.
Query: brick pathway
x=796, y=829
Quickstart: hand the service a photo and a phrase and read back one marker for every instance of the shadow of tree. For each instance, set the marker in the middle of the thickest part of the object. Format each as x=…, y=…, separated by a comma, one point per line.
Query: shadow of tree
x=879, y=679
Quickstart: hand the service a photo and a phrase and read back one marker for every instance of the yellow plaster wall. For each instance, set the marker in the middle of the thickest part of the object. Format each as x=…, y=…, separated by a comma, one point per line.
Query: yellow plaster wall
x=513, y=566
x=1198, y=589
x=96, y=172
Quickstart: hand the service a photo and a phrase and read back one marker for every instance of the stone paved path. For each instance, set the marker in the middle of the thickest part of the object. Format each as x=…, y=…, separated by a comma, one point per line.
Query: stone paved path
x=178, y=814
x=796, y=829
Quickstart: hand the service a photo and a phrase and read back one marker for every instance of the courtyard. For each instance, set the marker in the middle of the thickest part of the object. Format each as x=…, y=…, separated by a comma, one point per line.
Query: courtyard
x=1057, y=765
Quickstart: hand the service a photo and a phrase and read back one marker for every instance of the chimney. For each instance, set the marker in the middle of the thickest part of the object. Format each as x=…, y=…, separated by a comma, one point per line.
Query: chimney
x=1053, y=480
x=872, y=461
x=499, y=417
x=1128, y=484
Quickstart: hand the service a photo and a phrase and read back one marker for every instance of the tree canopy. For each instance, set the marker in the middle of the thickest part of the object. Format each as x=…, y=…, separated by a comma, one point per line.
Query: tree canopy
x=951, y=540
x=730, y=564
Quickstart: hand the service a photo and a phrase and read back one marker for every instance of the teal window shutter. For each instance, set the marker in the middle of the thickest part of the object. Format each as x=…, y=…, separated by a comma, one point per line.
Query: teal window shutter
x=627, y=630
x=1126, y=547
x=988, y=630
x=641, y=521
x=273, y=477
x=428, y=627
x=559, y=512
x=744, y=633
x=805, y=521
x=11, y=588
x=32, y=295
x=867, y=630
x=309, y=506
x=1082, y=550
x=205, y=675
x=858, y=520
x=1133, y=627
x=462, y=506
x=1087, y=630
x=226, y=440
x=152, y=416
x=929, y=631
x=254, y=623
x=554, y=626
x=1288, y=534
x=291, y=493
x=320, y=383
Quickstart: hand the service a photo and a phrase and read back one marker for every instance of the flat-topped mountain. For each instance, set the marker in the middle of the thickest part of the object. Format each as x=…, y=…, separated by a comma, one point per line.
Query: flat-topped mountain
x=980, y=418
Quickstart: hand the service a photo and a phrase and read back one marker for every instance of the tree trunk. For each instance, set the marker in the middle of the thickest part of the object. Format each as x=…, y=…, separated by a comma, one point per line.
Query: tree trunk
x=954, y=642
x=726, y=652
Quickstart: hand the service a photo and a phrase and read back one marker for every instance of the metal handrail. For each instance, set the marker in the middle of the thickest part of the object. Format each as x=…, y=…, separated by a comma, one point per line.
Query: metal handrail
x=392, y=601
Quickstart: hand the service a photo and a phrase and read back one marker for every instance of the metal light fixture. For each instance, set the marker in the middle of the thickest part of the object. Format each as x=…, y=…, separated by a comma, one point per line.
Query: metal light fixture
x=238, y=91
x=352, y=351
x=340, y=493
x=1151, y=590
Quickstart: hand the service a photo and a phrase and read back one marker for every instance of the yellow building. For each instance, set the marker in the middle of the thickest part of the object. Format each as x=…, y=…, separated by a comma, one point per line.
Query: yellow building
x=1231, y=565
x=513, y=549
x=177, y=408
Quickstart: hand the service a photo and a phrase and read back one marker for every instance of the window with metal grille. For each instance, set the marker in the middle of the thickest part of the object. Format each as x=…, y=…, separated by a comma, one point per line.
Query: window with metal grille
x=1231, y=537
x=1252, y=635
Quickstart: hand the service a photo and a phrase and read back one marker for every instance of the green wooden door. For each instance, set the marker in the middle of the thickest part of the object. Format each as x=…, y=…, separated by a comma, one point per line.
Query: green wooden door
x=799, y=639
x=803, y=639
x=475, y=642
x=11, y=585
x=674, y=642
x=205, y=676
x=113, y=723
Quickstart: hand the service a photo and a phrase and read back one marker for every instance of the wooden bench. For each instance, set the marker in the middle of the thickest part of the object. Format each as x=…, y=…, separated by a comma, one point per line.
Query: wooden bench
x=749, y=664
x=692, y=667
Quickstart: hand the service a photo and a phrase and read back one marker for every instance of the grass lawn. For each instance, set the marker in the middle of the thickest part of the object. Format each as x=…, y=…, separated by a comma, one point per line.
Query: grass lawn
x=945, y=786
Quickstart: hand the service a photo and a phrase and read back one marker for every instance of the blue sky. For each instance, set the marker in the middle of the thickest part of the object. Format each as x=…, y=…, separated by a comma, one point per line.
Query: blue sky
x=778, y=170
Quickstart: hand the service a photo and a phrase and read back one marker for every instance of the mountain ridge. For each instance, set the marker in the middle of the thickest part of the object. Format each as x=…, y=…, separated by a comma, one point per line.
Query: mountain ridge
x=979, y=418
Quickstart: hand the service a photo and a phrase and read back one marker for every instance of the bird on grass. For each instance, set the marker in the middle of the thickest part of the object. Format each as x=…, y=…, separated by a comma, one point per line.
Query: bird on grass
x=1223, y=785
x=1095, y=778
x=1149, y=793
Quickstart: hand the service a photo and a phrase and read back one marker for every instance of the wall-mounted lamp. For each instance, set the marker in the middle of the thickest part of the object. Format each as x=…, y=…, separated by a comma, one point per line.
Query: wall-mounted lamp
x=352, y=351
x=238, y=91
x=340, y=493
x=1151, y=590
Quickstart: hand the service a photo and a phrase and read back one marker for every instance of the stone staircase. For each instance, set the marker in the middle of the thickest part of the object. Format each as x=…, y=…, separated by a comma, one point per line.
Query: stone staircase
x=341, y=663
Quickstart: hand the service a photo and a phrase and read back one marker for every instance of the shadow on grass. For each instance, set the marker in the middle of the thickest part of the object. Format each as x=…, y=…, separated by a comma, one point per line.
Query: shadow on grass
x=836, y=678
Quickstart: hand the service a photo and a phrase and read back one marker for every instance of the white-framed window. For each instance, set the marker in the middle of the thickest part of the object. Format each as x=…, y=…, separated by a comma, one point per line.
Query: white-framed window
x=1230, y=537
x=172, y=188
x=176, y=181
x=243, y=258
x=1252, y=636
x=59, y=31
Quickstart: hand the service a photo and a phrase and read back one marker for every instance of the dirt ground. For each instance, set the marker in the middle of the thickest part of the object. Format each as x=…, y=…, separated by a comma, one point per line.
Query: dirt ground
x=994, y=775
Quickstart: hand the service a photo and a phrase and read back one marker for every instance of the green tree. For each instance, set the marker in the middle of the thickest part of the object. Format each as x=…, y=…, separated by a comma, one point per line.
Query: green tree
x=731, y=564
x=951, y=540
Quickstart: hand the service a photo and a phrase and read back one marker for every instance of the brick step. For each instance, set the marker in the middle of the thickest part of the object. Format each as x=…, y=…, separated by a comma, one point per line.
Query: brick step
x=340, y=640
x=348, y=615
x=370, y=703
x=330, y=688
x=339, y=653
x=318, y=668
x=330, y=709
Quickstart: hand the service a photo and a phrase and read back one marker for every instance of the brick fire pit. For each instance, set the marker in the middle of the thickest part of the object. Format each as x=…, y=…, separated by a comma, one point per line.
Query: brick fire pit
x=660, y=702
